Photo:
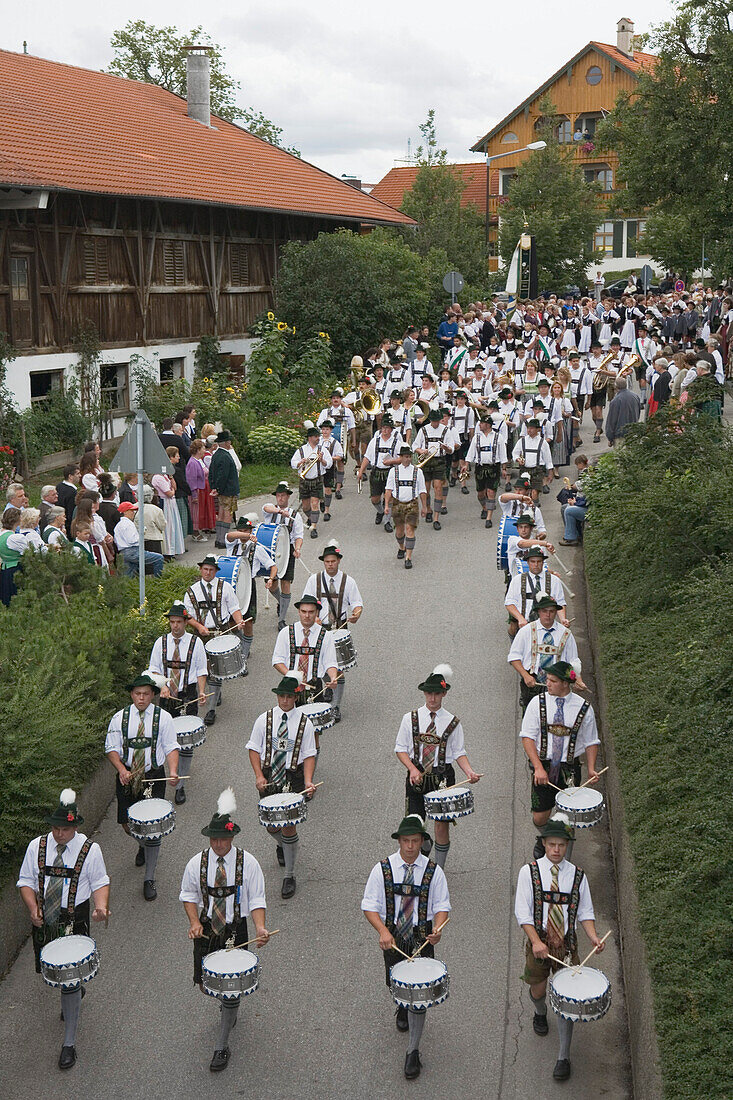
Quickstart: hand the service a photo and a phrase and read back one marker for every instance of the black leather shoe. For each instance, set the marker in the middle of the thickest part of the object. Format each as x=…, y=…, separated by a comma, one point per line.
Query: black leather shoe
x=322, y=505
x=444, y=511
x=539, y=849
x=388, y=527
x=412, y=1064
x=209, y=717
x=67, y=1057
x=149, y=891
x=326, y=517
x=546, y=489
x=400, y=554
x=402, y=1021
x=437, y=525
x=314, y=532
x=408, y=563
x=539, y=1024
x=378, y=518
x=140, y=857
x=180, y=797
x=220, y=1060
x=489, y=523
x=452, y=481
x=484, y=513
x=288, y=887
x=429, y=517
x=561, y=1072
x=339, y=495
x=464, y=490
x=280, y=855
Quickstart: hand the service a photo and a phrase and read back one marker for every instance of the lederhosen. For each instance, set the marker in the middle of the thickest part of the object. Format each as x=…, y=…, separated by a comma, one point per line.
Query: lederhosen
x=537, y=472
x=556, y=897
x=378, y=475
x=294, y=776
x=543, y=798
x=312, y=687
x=441, y=774
x=187, y=693
x=336, y=609
x=126, y=797
x=422, y=929
x=75, y=915
x=434, y=470
x=487, y=475
x=311, y=486
x=238, y=928
x=406, y=511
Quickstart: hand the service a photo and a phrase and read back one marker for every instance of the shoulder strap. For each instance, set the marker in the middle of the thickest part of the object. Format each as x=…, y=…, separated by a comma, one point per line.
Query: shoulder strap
x=73, y=885
x=204, y=879
x=388, y=893
x=42, y=870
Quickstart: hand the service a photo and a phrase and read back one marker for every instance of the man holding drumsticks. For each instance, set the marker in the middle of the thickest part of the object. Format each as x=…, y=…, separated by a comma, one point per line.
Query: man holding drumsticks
x=211, y=604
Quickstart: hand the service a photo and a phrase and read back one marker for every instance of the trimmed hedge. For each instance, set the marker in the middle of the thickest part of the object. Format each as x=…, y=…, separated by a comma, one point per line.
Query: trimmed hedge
x=660, y=574
x=69, y=642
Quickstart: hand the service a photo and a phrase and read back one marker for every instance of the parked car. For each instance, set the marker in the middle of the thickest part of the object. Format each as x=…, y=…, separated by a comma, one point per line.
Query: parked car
x=616, y=290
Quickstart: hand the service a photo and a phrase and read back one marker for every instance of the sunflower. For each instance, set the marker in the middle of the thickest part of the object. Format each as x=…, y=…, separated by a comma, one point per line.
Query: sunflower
x=269, y=370
x=281, y=326
x=323, y=335
x=270, y=315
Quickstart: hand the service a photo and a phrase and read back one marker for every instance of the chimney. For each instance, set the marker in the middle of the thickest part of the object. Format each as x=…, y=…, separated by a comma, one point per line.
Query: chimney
x=198, y=94
x=625, y=36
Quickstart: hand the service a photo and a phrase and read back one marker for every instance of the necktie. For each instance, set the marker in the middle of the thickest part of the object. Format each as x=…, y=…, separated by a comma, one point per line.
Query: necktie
x=403, y=925
x=279, y=756
x=428, y=751
x=176, y=672
x=332, y=594
x=558, y=743
x=138, y=754
x=546, y=659
x=54, y=890
x=304, y=658
x=555, y=919
x=219, y=906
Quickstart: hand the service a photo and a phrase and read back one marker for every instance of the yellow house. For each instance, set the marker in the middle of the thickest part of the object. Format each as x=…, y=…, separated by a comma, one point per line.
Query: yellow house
x=583, y=91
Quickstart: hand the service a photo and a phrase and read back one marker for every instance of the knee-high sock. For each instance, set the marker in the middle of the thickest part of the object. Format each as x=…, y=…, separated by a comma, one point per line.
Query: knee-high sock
x=70, y=1008
x=540, y=1005
x=227, y=1021
x=290, y=850
x=409, y=543
x=283, y=605
x=339, y=479
x=277, y=836
x=400, y=541
x=490, y=504
x=314, y=517
x=441, y=853
x=565, y=1029
x=215, y=688
x=246, y=643
x=152, y=851
x=416, y=1021
x=184, y=767
x=338, y=693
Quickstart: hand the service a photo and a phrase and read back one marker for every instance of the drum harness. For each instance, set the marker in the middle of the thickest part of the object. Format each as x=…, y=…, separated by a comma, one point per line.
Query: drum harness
x=556, y=897
x=140, y=742
x=206, y=604
x=72, y=873
x=294, y=765
x=169, y=665
x=431, y=739
x=208, y=892
x=535, y=591
x=322, y=590
x=556, y=728
x=301, y=650
x=424, y=926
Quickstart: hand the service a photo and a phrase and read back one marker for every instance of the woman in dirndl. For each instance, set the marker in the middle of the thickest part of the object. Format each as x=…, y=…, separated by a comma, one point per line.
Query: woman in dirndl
x=165, y=487
x=560, y=412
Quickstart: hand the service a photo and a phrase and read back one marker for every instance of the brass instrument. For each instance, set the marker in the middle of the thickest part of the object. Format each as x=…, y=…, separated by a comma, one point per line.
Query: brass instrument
x=305, y=467
x=602, y=377
x=433, y=452
x=506, y=379
x=629, y=367
x=368, y=403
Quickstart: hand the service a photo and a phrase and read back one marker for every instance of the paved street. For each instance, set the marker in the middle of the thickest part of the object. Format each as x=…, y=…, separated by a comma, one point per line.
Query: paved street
x=322, y=1022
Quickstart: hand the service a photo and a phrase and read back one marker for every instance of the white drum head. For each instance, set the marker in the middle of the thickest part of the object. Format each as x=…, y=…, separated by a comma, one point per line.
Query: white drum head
x=439, y=796
x=579, y=798
x=150, y=809
x=418, y=971
x=312, y=709
x=225, y=644
x=243, y=586
x=281, y=551
x=278, y=801
x=337, y=634
x=236, y=961
x=187, y=723
x=67, y=949
x=583, y=983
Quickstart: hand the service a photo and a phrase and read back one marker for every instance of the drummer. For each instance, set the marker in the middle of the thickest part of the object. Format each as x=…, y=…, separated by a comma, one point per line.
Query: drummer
x=538, y=645
x=213, y=607
x=389, y=906
x=429, y=741
x=234, y=886
x=281, y=513
x=340, y=601
x=515, y=502
x=308, y=647
x=242, y=542
x=548, y=891
x=405, y=499
x=524, y=539
x=526, y=588
x=140, y=739
x=340, y=414
x=180, y=658
x=557, y=728
x=61, y=871
x=282, y=752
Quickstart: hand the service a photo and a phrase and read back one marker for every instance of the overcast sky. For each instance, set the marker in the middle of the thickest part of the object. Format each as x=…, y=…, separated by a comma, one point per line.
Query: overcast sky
x=349, y=81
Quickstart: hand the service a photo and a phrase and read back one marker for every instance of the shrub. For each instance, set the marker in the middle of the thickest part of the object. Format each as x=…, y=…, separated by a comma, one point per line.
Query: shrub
x=273, y=444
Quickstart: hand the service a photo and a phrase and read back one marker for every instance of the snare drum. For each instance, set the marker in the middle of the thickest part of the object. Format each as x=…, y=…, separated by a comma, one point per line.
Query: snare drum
x=449, y=805
x=230, y=975
x=69, y=962
x=226, y=660
x=583, y=805
x=275, y=538
x=190, y=731
x=151, y=818
x=580, y=993
x=419, y=983
x=320, y=714
x=507, y=527
x=282, y=809
x=237, y=572
x=345, y=649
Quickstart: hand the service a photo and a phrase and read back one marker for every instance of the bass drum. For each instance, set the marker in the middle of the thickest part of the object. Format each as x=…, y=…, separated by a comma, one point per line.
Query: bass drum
x=275, y=538
x=236, y=571
x=507, y=527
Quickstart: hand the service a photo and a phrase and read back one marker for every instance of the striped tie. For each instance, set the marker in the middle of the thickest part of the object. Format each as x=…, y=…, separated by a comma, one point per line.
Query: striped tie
x=138, y=755
x=558, y=743
x=175, y=671
x=304, y=658
x=428, y=751
x=546, y=659
x=54, y=890
x=219, y=905
x=280, y=755
x=555, y=919
x=403, y=925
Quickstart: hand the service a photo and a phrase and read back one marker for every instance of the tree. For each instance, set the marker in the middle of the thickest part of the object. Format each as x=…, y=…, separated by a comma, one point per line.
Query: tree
x=674, y=133
x=157, y=55
x=550, y=193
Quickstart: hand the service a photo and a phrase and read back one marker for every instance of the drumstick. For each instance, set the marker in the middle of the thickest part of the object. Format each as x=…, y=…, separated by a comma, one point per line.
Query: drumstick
x=598, y=773
x=562, y=963
x=167, y=779
x=461, y=783
x=549, y=784
x=424, y=943
x=304, y=566
x=585, y=960
x=562, y=565
x=185, y=702
x=246, y=944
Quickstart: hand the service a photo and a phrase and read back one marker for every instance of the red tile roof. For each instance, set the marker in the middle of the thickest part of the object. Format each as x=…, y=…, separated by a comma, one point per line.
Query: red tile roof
x=639, y=61
x=392, y=187
x=71, y=129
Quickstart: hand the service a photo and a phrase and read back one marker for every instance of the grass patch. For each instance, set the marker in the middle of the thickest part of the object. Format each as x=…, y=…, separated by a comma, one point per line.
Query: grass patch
x=258, y=478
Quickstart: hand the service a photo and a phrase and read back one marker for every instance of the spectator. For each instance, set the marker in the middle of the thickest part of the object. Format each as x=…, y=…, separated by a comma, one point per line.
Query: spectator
x=88, y=468
x=447, y=329
x=127, y=541
x=625, y=409
x=15, y=496
x=9, y=559
x=224, y=482
x=108, y=510
x=49, y=498
x=27, y=534
x=54, y=533
x=67, y=490
x=197, y=478
x=165, y=487
x=172, y=437
x=153, y=522
x=128, y=489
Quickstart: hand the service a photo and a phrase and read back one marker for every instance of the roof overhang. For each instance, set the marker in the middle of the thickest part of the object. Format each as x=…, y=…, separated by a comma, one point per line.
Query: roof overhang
x=16, y=198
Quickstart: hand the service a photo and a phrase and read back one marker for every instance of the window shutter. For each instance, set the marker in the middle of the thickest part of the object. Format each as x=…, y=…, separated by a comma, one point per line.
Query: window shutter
x=95, y=261
x=238, y=265
x=618, y=239
x=174, y=263
x=631, y=236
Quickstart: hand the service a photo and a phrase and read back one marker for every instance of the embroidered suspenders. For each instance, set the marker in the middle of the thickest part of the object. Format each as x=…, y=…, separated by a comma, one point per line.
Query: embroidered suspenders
x=410, y=481
x=72, y=873
x=322, y=591
x=206, y=605
x=573, y=730
x=432, y=739
x=525, y=582
x=389, y=450
x=294, y=760
x=535, y=452
x=208, y=892
x=539, y=648
x=185, y=666
x=140, y=742
x=298, y=650
x=422, y=891
x=557, y=897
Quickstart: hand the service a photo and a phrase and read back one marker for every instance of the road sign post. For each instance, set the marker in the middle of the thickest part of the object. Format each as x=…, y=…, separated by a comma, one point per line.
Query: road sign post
x=647, y=274
x=453, y=284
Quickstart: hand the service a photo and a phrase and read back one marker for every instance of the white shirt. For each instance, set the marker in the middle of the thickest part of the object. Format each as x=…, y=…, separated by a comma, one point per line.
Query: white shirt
x=581, y=381
x=587, y=734
x=56, y=537
x=229, y=601
x=535, y=452
x=524, y=898
x=332, y=445
x=351, y=598
x=514, y=591
x=126, y=534
x=281, y=654
x=199, y=665
x=335, y=414
x=488, y=448
x=455, y=746
x=374, y=900
x=167, y=740
x=252, y=895
x=325, y=461
x=388, y=448
x=93, y=873
x=521, y=649
x=433, y=434
x=297, y=531
x=261, y=556
x=258, y=737
x=508, y=509
x=25, y=539
x=403, y=492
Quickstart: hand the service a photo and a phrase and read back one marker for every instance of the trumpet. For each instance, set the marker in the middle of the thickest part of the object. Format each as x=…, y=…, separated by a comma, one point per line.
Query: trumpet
x=305, y=467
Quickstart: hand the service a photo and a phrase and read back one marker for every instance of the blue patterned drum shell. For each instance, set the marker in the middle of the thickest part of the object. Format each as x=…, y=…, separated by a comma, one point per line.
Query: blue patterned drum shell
x=235, y=571
x=507, y=527
x=276, y=539
x=229, y=975
x=151, y=818
x=282, y=809
x=69, y=962
x=449, y=805
x=320, y=714
x=419, y=983
x=190, y=731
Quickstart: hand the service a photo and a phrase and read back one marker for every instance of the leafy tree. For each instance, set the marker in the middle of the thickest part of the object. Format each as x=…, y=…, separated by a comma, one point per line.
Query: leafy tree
x=674, y=133
x=673, y=239
x=157, y=55
x=550, y=193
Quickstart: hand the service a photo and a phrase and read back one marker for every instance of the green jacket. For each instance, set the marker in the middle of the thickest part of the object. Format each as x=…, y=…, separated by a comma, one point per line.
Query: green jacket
x=223, y=474
x=8, y=558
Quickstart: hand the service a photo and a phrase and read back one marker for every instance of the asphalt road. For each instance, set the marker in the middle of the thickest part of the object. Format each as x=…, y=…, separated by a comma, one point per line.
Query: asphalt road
x=322, y=1022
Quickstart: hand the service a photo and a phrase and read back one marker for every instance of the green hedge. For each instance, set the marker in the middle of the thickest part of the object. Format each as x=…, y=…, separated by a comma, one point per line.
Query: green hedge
x=660, y=576
x=69, y=642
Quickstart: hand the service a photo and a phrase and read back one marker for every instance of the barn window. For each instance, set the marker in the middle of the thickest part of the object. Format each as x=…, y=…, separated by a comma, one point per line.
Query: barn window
x=594, y=75
x=96, y=261
x=238, y=265
x=174, y=263
x=509, y=138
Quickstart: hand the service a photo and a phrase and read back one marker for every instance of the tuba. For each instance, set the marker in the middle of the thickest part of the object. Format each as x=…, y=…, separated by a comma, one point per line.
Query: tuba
x=629, y=368
x=602, y=377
